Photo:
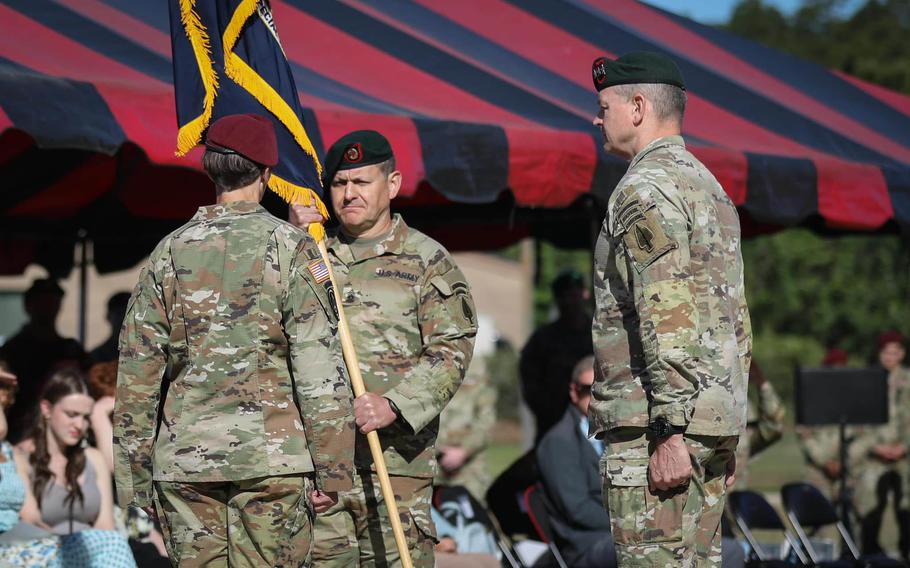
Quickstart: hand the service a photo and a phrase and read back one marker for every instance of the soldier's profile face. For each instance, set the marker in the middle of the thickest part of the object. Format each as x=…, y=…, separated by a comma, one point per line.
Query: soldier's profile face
x=361, y=197
x=614, y=121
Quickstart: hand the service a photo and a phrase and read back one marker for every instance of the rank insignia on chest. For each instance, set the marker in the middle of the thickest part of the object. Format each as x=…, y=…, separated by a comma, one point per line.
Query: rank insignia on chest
x=319, y=271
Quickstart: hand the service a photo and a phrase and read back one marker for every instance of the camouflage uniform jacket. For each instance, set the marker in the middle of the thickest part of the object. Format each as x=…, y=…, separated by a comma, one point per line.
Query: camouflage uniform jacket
x=412, y=321
x=672, y=334
x=244, y=371
x=765, y=424
x=469, y=418
x=898, y=426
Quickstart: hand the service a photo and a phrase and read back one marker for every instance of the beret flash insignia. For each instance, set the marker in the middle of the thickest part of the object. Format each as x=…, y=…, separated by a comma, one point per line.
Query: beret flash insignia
x=353, y=154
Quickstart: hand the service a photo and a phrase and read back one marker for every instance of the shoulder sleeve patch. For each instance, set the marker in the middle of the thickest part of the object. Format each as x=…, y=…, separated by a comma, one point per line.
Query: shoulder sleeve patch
x=643, y=233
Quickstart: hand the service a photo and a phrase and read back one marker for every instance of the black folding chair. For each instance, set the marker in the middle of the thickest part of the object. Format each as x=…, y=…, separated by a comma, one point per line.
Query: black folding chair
x=752, y=512
x=505, y=500
x=808, y=508
x=538, y=507
x=472, y=510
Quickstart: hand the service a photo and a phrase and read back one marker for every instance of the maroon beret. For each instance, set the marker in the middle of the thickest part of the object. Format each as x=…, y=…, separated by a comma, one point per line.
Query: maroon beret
x=890, y=337
x=835, y=357
x=250, y=135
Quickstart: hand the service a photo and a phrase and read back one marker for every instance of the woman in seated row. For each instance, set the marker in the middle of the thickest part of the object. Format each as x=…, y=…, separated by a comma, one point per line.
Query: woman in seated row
x=68, y=492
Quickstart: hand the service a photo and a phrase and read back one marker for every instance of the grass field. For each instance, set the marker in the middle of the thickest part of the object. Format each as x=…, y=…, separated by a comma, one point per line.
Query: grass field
x=780, y=464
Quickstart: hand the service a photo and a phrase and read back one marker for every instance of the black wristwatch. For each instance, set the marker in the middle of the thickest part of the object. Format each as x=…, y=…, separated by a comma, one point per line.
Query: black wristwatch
x=663, y=429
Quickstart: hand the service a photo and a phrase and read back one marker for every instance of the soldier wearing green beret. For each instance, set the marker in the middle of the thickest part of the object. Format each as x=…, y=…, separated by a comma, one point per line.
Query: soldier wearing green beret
x=671, y=329
x=232, y=397
x=413, y=323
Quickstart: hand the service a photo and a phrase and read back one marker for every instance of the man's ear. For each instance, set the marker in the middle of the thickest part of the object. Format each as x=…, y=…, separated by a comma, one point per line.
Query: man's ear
x=266, y=175
x=394, y=184
x=639, y=108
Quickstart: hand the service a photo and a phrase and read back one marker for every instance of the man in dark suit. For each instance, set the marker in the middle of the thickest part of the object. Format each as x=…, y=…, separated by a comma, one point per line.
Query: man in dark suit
x=568, y=463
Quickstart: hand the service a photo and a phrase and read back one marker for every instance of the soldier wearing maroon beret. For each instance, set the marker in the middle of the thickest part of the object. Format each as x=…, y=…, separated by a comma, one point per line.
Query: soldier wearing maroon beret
x=233, y=404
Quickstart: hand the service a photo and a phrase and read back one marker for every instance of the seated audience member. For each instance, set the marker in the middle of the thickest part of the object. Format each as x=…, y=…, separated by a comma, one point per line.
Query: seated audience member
x=21, y=544
x=34, y=352
x=70, y=487
x=568, y=462
x=821, y=444
x=116, y=311
x=475, y=550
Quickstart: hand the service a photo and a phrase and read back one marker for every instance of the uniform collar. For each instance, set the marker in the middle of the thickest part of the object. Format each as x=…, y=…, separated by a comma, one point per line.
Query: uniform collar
x=350, y=250
x=223, y=209
x=674, y=140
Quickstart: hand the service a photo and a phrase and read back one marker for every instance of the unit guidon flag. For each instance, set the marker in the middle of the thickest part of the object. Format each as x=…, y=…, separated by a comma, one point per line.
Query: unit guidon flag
x=228, y=59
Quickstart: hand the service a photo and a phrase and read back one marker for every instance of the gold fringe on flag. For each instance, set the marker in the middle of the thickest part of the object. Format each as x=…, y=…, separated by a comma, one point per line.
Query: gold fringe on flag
x=244, y=75
x=293, y=193
x=190, y=134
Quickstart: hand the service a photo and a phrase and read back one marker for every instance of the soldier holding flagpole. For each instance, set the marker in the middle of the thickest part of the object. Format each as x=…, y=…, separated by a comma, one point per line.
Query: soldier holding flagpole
x=413, y=319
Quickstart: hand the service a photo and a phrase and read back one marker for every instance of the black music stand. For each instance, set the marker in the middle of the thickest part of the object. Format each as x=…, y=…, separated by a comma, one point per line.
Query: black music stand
x=842, y=396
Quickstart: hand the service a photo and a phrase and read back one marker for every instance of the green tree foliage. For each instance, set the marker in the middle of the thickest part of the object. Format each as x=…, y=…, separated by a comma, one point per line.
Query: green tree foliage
x=808, y=292
x=871, y=43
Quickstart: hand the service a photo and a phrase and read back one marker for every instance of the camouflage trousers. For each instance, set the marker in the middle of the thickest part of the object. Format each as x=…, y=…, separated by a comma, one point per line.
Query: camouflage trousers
x=665, y=529
x=356, y=531
x=257, y=522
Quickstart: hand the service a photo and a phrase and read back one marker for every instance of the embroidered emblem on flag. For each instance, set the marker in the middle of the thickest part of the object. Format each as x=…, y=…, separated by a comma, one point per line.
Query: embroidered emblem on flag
x=319, y=271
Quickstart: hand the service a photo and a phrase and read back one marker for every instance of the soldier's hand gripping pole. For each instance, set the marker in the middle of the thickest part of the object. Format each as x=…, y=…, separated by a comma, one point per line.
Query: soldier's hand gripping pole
x=351, y=361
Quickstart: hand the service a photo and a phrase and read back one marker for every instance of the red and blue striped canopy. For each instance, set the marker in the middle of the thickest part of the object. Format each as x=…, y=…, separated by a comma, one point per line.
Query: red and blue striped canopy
x=488, y=105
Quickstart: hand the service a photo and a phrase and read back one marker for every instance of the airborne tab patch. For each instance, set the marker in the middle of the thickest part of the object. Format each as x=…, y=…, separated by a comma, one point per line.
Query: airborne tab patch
x=319, y=271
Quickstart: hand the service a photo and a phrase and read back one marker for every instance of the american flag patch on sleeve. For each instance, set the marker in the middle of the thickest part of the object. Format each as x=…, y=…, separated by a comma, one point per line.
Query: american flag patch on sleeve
x=319, y=271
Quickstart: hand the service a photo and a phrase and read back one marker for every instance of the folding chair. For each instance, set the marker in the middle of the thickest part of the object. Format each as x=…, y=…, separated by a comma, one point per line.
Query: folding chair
x=473, y=510
x=538, y=506
x=751, y=511
x=808, y=508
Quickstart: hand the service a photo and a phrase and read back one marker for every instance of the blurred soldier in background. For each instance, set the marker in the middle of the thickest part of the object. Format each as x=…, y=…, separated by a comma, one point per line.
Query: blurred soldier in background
x=821, y=444
x=552, y=351
x=764, y=426
x=466, y=424
x=880, y=453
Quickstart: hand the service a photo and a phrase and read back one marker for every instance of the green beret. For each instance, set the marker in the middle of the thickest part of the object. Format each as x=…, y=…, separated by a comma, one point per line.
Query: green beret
x=355, y=150
x=636, y=67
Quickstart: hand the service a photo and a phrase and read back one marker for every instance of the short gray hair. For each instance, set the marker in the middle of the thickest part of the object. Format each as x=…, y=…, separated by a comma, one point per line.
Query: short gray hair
x=669, y=101
x=388, y=166
x=584, y=365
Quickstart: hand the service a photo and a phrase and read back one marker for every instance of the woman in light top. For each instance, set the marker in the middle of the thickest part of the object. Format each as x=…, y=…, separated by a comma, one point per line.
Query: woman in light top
x=70, y=489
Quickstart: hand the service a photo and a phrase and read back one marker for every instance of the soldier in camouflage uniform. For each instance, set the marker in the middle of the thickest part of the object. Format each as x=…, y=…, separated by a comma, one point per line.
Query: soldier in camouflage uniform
x=878, y=455
x=821, y=444
x=671, y=329
x=413, y=324
x=764, y=424
x=232, y=397
x=467, y=422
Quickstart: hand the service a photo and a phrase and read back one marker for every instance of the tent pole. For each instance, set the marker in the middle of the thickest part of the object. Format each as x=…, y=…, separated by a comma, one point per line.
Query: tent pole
x=83, y=285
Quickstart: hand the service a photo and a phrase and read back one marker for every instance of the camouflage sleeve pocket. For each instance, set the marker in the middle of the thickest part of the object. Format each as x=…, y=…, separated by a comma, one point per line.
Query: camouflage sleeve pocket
x=643, y=233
